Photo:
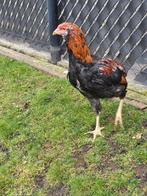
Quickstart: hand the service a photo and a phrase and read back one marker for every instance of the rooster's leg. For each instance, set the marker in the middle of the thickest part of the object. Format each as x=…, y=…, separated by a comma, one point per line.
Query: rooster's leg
x=98, y=129
x=118, y=118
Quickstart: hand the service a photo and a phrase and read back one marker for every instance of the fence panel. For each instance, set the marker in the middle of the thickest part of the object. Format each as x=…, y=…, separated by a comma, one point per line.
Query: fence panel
x=113, y=28
x=25, y=18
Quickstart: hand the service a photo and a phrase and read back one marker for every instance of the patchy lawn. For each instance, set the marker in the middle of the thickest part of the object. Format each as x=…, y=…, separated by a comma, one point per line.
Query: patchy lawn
x=43, y=146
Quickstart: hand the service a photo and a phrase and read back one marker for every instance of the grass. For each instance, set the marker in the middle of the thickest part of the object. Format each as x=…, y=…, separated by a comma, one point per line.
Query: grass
x=43, y=146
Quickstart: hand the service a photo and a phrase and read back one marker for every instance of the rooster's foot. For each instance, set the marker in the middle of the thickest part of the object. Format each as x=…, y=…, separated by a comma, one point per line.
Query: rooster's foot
x=97, y=132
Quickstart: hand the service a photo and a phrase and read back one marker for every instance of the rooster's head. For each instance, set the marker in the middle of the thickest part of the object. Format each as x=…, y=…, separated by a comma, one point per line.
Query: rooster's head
x=67, y=29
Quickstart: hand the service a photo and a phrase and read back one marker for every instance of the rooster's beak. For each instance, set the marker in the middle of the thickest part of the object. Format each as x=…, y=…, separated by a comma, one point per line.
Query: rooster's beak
x=59, y=32
x=55, y=32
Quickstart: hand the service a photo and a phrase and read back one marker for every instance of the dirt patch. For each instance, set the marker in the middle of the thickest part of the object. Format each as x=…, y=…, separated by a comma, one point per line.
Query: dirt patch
x=25, y=106
x=141, y=175
x=47, y=165
x=107, y=163
x=3, y=148
x=40, y=179
x=5, y=152
x=47, y=147
x=59, y=190
x=21, y=144
x=144, y=124
x=13, y=135
x=123, y=191
x=79, y=160
x=85, y=148
x=115, y=148
x=79, y=156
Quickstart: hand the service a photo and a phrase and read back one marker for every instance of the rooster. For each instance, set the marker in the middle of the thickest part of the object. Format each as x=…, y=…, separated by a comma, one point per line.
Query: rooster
x=95, y=79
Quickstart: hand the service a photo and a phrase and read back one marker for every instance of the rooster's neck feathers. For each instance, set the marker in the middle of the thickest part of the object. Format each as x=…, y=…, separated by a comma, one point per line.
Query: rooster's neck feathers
x=79, y=47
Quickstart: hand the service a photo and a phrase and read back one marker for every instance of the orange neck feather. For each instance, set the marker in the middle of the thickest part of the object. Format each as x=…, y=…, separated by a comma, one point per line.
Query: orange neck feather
x=78, y=45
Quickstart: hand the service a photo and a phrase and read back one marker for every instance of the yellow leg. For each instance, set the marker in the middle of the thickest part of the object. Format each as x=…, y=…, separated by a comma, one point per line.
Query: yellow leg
x=118, y=118
x=98, y=129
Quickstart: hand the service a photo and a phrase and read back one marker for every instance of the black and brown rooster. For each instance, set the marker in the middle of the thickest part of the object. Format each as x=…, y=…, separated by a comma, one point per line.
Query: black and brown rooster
x=95, y=79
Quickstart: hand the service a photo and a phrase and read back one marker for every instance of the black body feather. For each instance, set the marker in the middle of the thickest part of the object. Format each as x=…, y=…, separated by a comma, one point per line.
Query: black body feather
x=92, y=83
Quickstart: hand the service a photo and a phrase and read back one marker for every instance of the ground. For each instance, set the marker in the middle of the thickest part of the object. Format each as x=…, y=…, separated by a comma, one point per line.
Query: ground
x=43, y=146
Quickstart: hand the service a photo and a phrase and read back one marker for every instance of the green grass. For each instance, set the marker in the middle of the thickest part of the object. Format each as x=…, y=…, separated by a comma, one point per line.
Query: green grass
x=43, y=148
